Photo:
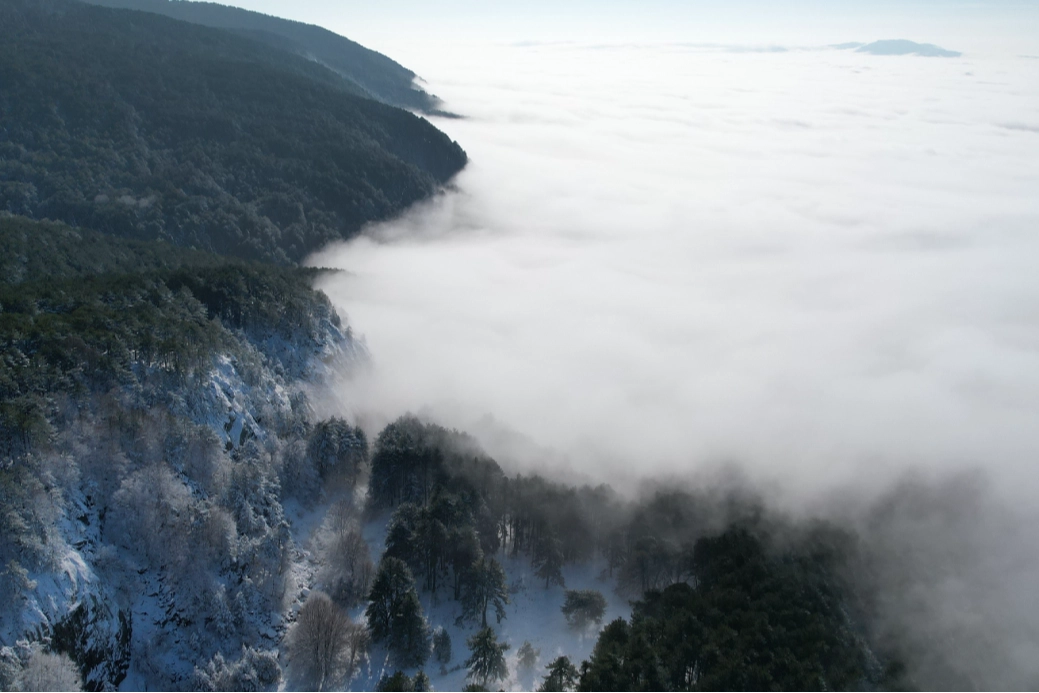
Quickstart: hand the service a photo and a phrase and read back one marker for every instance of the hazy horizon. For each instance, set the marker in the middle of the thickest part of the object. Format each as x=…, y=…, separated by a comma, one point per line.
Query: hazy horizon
x=412, y=32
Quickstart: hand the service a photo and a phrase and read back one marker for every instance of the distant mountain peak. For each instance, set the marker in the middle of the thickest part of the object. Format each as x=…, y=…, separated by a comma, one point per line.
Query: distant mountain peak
x=903, y=47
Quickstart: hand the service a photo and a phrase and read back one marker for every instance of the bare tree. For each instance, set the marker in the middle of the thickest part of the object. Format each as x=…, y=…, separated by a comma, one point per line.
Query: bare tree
x=44, y=671
x=349, y=568
x=323, y=644
x=341, y=517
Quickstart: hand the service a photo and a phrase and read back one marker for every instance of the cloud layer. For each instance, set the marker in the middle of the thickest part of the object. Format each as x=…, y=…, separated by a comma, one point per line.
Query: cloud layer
x=815, y=268
x=817, y=264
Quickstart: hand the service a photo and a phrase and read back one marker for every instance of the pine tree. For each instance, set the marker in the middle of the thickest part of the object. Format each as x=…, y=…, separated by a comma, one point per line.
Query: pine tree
x=395, y=614
x=528, y=656
x=399, y=681
x=392, y=581
x=486, y=663
x=409, y=641
x=562, y=676
x=548, y=560
x=402, y=539
x=441, y=645
x=583, y=607
x=421, y=682
x=432, y=541
x=484, y=586
x=462, y=552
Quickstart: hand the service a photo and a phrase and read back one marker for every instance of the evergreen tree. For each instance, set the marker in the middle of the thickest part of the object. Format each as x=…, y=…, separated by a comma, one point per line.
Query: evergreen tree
x=760, y=618
x=548, y=560
x=395, y=614
x=527, y=655
x=463, y=550
x=421, y=682
x=609, y=667
x=484, y=586
x=583, y=607
x=402, y=539
x=441, y=645
x=486, y=663
x=409, y=642
x=562, y=676
x=403, y=463
x=399, y=682
x=432, y=539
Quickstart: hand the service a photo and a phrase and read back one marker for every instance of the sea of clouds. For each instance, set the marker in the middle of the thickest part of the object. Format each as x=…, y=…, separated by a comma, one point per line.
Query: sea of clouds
x=817, y=264
x=814, y=267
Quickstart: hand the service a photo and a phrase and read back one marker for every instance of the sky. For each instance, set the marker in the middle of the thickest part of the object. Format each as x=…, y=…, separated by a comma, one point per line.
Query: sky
x=397, y=26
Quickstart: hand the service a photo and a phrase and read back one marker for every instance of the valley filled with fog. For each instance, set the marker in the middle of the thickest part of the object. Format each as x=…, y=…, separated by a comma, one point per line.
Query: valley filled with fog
x=814, y=264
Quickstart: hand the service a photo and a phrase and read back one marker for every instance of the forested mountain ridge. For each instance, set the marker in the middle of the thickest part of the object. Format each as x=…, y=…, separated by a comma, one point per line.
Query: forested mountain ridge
x=147, y=127
x=378, y=76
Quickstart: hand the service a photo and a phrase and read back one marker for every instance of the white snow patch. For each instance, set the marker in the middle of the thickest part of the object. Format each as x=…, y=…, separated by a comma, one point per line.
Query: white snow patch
x=533, y=614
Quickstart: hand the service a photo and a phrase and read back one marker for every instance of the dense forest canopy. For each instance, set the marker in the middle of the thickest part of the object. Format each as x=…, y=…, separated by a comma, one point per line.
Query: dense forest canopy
x=82, y=312
x=376, y=75
x=142, y=126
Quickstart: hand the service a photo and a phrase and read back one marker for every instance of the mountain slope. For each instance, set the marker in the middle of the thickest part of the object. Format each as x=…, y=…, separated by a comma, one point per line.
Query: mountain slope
x=378, y=76
x=147, y=392
x=146, y=127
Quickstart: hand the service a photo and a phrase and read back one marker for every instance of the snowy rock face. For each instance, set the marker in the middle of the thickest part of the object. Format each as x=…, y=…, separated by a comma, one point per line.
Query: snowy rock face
x=70, y=606
x=149, y=542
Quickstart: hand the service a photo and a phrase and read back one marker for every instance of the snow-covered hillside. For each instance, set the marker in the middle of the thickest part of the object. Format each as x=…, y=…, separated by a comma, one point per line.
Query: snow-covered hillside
x=155, y=535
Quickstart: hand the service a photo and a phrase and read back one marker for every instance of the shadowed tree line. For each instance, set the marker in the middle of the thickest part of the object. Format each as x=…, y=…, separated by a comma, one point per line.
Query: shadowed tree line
x=731, y=596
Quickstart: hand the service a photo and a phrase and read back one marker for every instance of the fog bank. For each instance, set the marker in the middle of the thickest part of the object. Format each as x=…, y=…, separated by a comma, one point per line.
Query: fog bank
x=808, y=273
x=816, y=264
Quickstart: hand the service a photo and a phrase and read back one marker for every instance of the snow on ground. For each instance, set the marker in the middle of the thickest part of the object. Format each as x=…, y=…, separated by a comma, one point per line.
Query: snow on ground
x=533, y=614
x=304, y=524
